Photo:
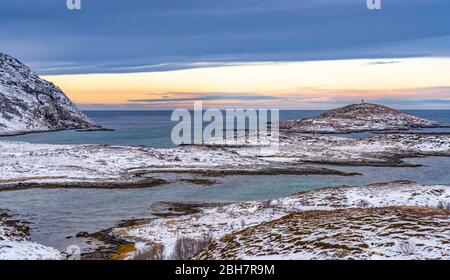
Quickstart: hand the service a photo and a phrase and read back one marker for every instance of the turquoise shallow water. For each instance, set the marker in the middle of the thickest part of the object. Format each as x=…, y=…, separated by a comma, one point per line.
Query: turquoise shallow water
x=57, y=214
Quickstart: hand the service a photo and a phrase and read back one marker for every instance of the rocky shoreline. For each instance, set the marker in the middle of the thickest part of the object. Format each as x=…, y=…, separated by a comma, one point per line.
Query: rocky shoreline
x=147, y=183
x=239, y=231
x=395, y=215
x=109, y=167
x=15, y=243
x=27, y=165
x=118, y=248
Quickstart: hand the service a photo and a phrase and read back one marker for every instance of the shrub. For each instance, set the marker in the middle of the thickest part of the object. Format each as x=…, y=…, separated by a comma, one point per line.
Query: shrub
x=187, y=247
x=443, y=205
x=266, y=204
x=407, y=248
x=242, y=223
x=362, y=203
x=152, y=253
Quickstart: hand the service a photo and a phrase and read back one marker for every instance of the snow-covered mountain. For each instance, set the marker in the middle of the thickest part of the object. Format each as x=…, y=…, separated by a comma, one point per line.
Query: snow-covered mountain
x=31, y=104
x=359, y=117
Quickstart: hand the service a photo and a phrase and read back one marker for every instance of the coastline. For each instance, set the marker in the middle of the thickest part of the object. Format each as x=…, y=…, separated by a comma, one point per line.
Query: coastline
x=381, y=198
x=118, y=244
x=225, y=222
x=106, y=166
x=261, y=132
x=15, y=243
x=110, y=167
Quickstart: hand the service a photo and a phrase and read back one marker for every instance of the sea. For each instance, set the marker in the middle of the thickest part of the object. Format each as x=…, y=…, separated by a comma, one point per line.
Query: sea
x=55, y=216
x=153, y=128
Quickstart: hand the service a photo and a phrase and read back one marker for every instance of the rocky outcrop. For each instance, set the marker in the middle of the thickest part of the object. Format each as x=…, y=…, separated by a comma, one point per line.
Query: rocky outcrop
x=15, y=243
x=357, y=118
x=31, y=104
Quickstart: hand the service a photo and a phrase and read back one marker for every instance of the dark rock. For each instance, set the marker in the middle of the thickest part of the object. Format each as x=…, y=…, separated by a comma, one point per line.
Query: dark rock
x=82, y=234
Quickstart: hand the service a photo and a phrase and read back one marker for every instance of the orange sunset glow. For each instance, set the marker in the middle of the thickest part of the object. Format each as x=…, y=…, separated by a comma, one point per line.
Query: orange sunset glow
x=288, y=85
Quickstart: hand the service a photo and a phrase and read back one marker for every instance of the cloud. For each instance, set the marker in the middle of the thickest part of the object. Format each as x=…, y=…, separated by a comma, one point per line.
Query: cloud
x=409, y=98
x=392, y=102
x=381, y=63
x=412, y=101
x=151, y=34
x=206, y=98
x=170, y=66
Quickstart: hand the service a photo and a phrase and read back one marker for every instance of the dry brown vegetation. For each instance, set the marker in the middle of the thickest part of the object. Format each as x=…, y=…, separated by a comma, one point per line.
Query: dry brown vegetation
x=342, y=234
x=187, y=247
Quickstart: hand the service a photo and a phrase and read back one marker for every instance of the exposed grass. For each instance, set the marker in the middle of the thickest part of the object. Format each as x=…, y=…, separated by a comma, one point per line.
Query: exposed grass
x=26, y=179
x=340, y=234
x=122, y=251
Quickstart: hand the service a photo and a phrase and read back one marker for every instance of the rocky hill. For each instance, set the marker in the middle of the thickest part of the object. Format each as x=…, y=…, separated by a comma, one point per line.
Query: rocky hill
x=359, y=117
x=359, y=233
x=31, y=104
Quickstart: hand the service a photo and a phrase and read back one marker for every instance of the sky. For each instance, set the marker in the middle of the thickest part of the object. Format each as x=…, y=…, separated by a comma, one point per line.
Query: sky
x=286, y=54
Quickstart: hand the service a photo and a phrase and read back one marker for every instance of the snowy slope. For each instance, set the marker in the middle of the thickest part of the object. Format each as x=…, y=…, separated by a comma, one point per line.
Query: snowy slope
x=375, y=233
x=29, y=104
x=223, y=220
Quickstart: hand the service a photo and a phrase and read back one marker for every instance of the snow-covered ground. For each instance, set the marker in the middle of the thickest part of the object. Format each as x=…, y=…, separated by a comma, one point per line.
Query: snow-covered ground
x=42, y=163
x=220, y=221
x=376, y=233
x=376, y=150
x=16, y=245
x=23, y=163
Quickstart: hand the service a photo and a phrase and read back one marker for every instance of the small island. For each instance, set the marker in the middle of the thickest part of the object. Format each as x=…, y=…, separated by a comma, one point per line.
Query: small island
x=359, y=118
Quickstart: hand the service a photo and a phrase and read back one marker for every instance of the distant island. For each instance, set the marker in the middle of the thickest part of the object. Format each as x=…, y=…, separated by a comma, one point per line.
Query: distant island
x=359, y=118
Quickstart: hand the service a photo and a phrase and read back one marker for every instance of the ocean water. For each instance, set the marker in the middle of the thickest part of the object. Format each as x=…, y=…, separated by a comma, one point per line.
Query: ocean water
x=153, y=128
x=131, y=128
